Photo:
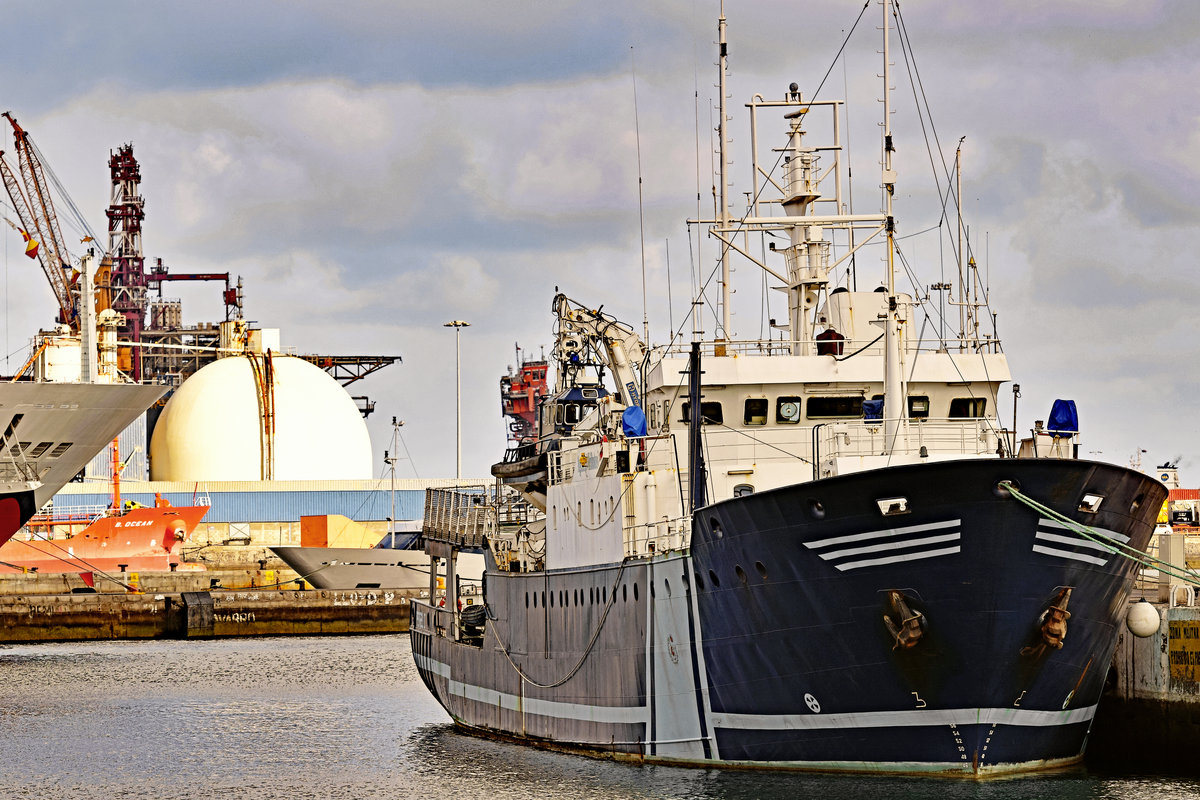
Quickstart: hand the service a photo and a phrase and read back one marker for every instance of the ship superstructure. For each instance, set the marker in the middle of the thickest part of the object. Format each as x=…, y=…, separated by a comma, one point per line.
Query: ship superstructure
x=817, y=552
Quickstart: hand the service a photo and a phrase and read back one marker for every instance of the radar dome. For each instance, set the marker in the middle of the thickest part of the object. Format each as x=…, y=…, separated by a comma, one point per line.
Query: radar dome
x=214, y=427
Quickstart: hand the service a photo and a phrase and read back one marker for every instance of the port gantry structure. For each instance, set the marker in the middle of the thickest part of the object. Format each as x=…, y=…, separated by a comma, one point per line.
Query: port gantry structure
x=155, y=345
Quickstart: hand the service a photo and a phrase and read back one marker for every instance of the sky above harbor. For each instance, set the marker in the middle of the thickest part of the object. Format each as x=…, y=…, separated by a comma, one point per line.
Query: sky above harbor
x=372, y=170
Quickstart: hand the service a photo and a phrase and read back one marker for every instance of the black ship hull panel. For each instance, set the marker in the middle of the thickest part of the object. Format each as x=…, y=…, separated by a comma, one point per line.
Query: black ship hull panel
x=786, y=636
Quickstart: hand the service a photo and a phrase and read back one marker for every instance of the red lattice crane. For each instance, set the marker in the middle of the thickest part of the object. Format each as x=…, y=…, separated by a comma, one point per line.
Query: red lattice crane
x=30, y=196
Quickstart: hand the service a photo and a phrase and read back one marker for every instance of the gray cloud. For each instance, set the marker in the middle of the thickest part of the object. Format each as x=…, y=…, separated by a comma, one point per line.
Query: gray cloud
x=375, y=169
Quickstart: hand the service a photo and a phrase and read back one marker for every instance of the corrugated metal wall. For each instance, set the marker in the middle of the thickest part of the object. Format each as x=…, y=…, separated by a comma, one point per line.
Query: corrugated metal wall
x=132, y=444
x=271, y=501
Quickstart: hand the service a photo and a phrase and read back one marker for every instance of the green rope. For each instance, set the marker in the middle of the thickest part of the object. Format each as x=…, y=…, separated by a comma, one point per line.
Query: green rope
x=1107, y=542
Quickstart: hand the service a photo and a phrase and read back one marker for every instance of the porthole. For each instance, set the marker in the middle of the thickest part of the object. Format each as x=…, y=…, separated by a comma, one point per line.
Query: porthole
x=527, y=599
x=741, y=573
x=624, y=593
x=712, y=576
x=716, y=528
x=893, y=506
x=543, y=599
x=535, y=599
x=635, y=593
x=816, y=509
x=667, y=586
x=592, y=595
x=699, y=584
x=552, y=599
x=1137, y=502
x=758, y=565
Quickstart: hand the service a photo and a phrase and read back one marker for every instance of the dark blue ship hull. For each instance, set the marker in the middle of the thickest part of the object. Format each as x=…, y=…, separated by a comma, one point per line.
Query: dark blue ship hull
x=963, y=634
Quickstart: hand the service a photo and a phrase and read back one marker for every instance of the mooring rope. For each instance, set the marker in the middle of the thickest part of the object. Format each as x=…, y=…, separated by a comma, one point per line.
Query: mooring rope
x=1107, y=542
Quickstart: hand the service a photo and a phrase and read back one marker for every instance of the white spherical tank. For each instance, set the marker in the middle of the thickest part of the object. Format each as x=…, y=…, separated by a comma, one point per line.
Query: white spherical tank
x=1142, y=619
x=212, y=427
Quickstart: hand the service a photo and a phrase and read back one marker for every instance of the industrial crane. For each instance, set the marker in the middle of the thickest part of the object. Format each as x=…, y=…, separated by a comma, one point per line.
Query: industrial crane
x=590, y=338
x=31, y=200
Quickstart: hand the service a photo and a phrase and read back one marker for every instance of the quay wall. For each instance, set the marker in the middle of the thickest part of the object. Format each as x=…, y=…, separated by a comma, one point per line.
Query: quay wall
x=1149, y=717
x=201, y=614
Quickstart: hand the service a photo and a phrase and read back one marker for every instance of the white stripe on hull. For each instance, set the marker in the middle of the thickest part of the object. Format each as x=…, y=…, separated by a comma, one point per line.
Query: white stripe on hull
x=860, y=537
x=583, y=712
x=1070, y=538
x=871, y=562
x=1021, y=717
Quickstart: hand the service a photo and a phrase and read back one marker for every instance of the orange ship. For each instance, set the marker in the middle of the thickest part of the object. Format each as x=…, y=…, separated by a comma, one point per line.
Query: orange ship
x=140, y=539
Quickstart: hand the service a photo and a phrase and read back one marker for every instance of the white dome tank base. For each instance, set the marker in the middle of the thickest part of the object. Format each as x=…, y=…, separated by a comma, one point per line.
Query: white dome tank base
x=259, y=417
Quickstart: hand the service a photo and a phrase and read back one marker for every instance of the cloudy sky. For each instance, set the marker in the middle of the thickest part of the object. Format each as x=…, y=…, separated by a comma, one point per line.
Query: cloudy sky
x=374, y=169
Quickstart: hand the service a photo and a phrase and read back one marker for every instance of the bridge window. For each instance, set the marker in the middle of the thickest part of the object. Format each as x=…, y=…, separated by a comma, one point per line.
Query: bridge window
x=918, y=407
x=787, y=410
x=710, y=413
x=969, y=407
x=835, y=407
x=756, y=411
x=572, y=413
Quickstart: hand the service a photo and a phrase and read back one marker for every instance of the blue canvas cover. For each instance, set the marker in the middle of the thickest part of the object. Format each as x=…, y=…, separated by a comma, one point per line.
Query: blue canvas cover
x=633, y=422
x=1064, y=419
x=873, y=409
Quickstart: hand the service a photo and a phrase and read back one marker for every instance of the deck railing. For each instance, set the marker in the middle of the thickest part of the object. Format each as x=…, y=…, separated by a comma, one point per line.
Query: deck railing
x=859, y=438
x=465, y=516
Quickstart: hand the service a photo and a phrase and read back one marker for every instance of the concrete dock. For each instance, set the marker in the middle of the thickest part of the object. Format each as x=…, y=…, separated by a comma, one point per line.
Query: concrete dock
x=1149, y=717
x=201, y=614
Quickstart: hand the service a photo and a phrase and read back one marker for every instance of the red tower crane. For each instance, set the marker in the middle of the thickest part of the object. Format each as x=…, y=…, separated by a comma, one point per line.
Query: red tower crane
x=31, y=200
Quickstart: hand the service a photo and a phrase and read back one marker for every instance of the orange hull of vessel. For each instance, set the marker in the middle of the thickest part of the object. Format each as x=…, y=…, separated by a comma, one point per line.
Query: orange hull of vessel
x=142, y=539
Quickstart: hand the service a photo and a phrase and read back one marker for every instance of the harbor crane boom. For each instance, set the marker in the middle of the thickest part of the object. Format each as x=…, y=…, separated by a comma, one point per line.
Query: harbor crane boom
x=32, y=202
x=582, y=331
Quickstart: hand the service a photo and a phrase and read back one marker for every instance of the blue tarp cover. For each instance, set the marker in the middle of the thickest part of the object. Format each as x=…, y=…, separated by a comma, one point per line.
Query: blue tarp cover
x=1064, y=419
x=633, y=422
x=873, y=409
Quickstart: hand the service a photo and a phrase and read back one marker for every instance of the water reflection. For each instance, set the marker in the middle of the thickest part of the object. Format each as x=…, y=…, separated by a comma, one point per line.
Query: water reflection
x=338, y=717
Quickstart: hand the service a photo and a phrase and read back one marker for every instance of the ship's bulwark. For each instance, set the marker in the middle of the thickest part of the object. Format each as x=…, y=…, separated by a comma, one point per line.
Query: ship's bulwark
x=805, y=629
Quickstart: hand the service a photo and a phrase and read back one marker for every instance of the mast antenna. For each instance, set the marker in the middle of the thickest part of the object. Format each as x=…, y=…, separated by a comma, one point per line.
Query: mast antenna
x=641, y=215
x=723, y=214
x=893, y=392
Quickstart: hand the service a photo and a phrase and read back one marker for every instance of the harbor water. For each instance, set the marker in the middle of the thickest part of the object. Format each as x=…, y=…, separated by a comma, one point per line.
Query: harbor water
x=348, y=717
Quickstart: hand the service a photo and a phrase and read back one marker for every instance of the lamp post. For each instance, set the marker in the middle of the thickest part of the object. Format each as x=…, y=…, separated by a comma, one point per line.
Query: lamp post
x=458, y=325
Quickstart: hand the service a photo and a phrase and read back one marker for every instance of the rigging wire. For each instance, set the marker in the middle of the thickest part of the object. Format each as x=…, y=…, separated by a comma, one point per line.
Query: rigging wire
x=1116, y=546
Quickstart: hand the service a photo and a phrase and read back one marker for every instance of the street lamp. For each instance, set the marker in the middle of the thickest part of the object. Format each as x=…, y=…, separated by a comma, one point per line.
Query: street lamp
x=458, y=325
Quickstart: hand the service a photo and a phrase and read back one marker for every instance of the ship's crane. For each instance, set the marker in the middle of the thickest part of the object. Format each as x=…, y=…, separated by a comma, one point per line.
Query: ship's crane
x=34, y=206
x=582, y=332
